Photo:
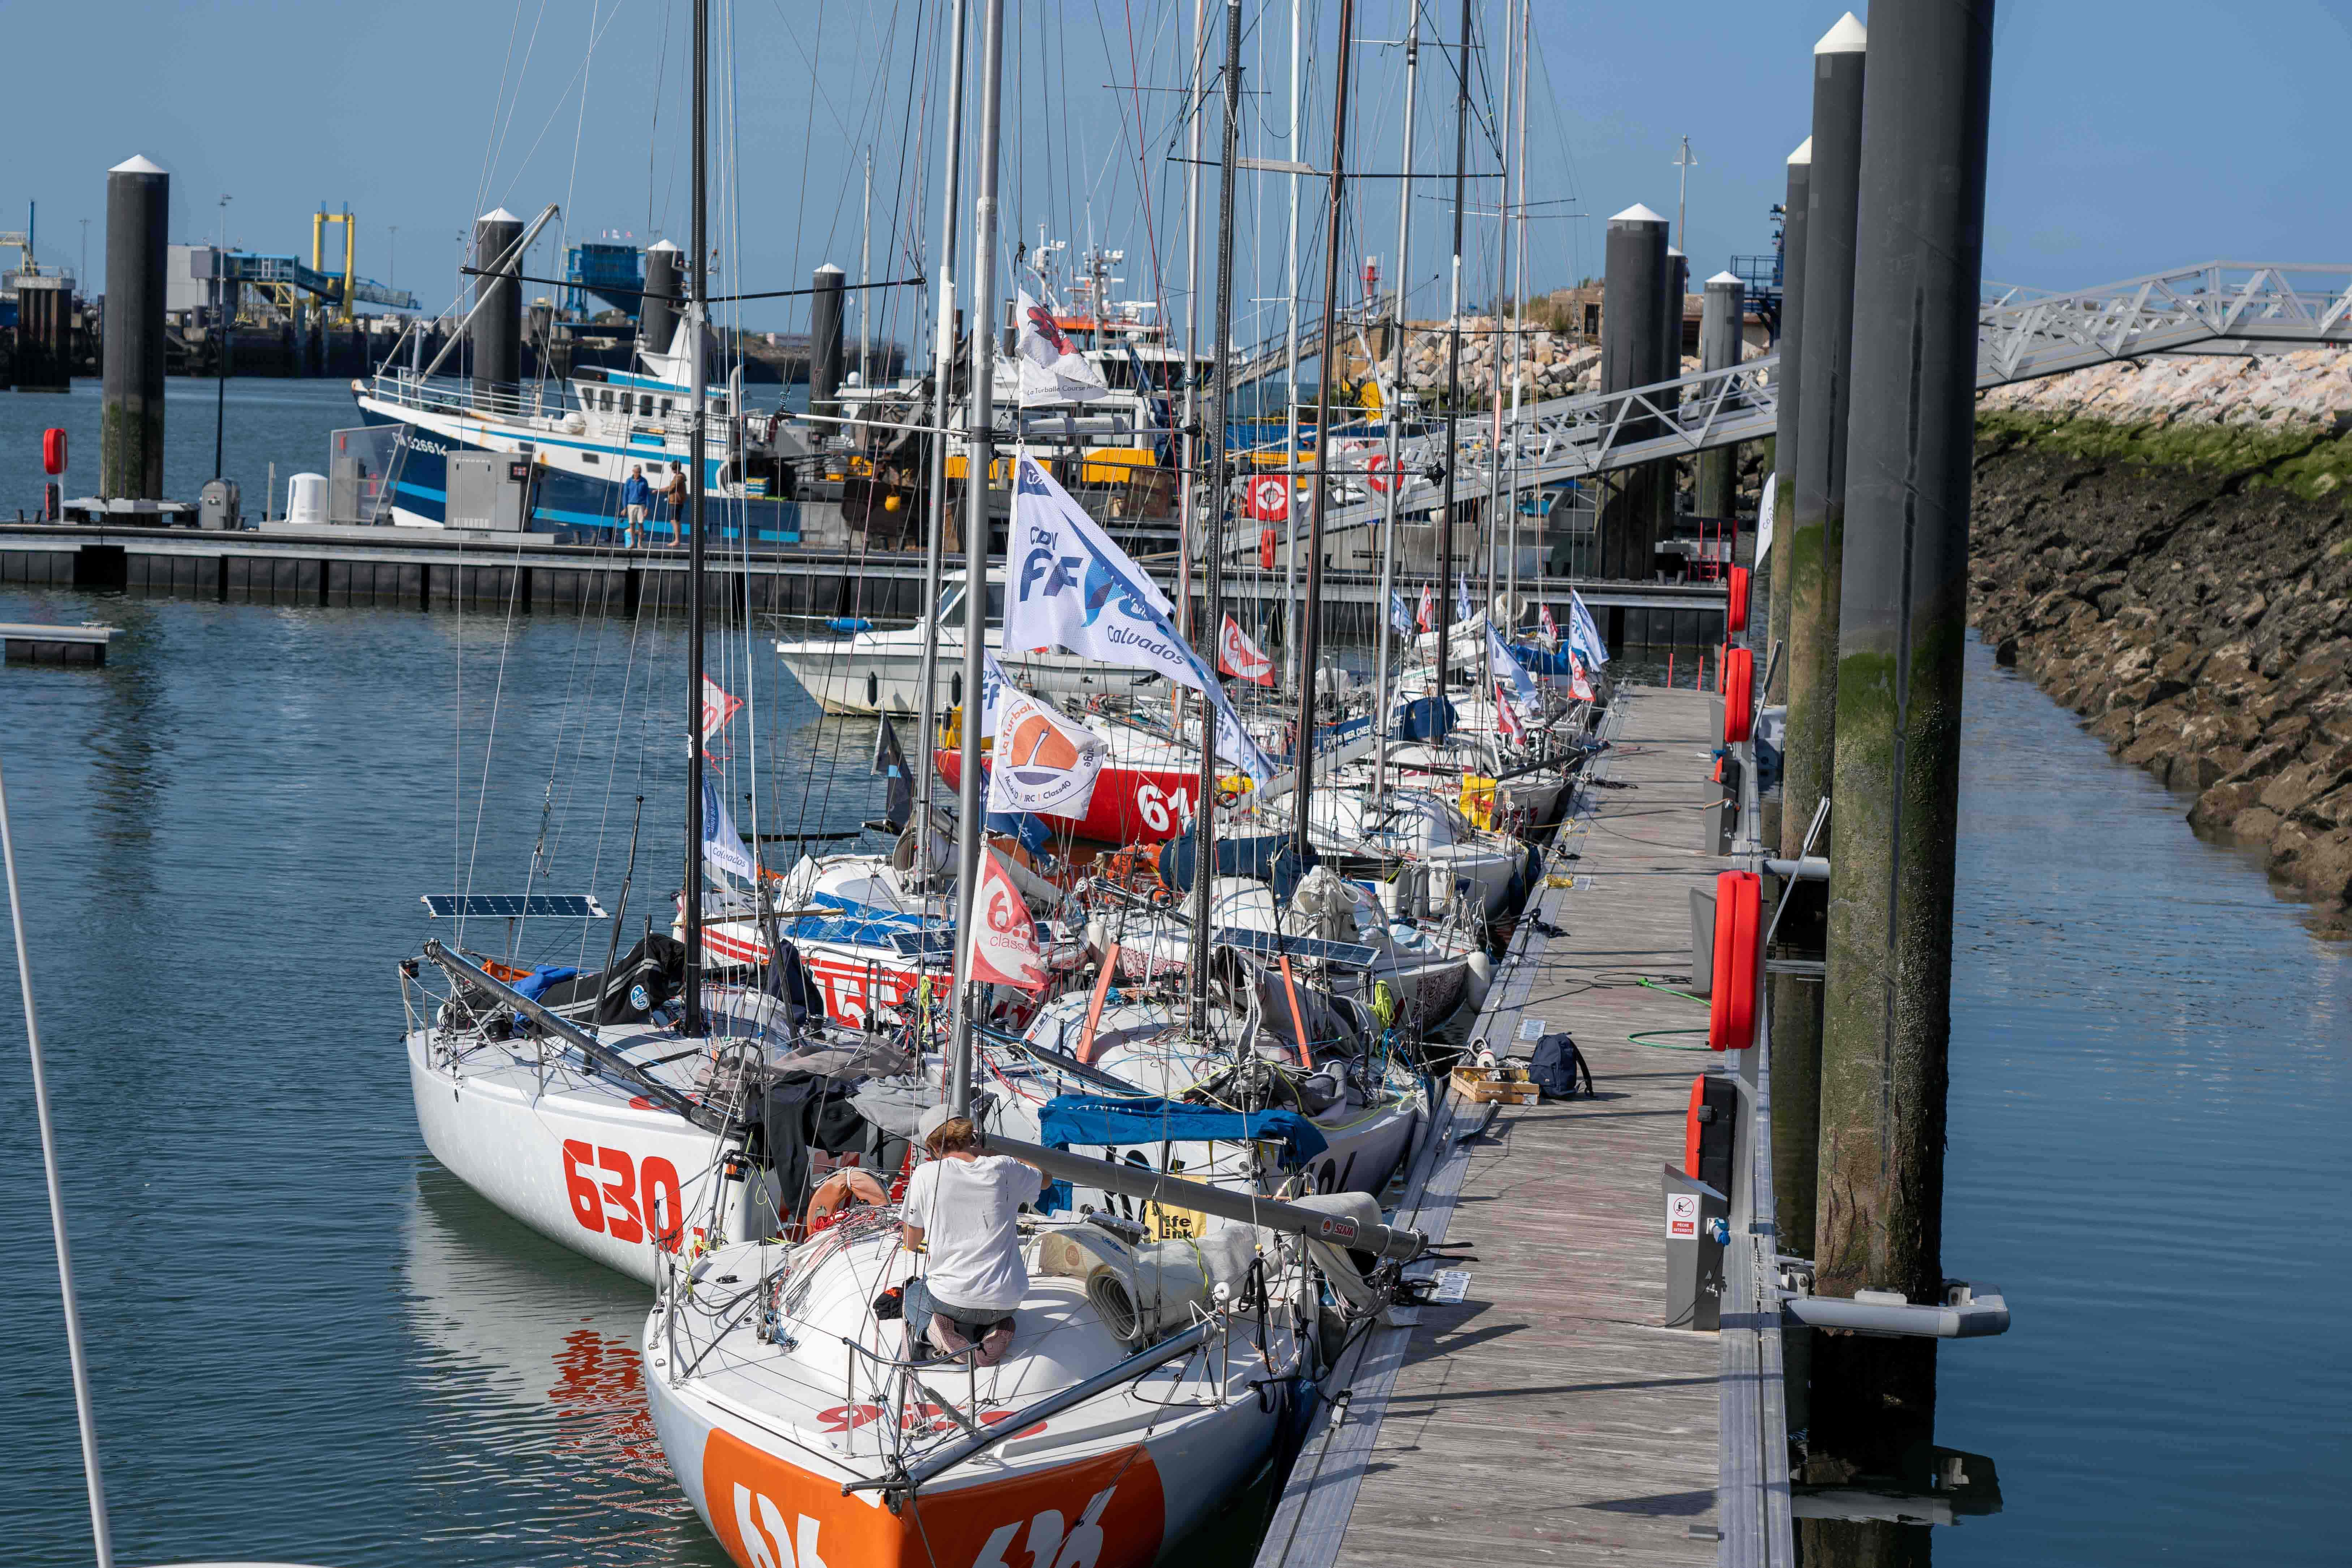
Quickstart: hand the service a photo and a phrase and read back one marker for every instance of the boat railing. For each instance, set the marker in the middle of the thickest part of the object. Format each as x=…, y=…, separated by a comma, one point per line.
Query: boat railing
x=459, y=394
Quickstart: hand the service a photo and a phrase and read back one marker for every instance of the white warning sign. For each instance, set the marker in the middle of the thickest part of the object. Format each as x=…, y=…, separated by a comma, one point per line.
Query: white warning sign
x=1682, y=1217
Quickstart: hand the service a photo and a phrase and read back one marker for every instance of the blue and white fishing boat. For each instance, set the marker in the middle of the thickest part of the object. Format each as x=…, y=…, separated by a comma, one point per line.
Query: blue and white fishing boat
x=491, y=451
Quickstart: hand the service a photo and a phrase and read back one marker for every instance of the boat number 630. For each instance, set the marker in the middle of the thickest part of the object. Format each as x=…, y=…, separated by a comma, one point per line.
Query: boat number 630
x=614, y=1195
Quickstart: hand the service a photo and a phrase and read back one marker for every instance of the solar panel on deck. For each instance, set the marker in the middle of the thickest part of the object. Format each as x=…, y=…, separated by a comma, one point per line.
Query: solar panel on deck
x=1267, y=944
x=925, y=945
x=514, y=906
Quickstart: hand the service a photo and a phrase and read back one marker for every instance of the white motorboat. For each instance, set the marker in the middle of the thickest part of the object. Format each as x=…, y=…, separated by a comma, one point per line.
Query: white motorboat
x=881, y=671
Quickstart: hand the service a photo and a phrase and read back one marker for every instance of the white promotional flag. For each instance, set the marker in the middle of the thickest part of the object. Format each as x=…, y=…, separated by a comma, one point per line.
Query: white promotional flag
x=1043, y=762
x=1462, y=608
x=994, y=684
x=1579, y=685
x=1070, y=587
x=1551, y=628
x=1004, y=938
x=1764, y=519
x=716, y=707
x=1509, y=668
x=1237, y=656
x=1051, y=370
x=1583, y=637
x=722, y=847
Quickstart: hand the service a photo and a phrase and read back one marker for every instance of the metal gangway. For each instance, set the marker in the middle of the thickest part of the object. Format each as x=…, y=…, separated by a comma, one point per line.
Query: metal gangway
x=2226, y=308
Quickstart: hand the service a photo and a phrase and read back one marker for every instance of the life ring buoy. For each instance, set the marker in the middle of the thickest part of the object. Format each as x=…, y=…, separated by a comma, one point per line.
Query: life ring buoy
x=1731, y=1007
x=839, y=1191
x=1736, y=676
x=1373, y=476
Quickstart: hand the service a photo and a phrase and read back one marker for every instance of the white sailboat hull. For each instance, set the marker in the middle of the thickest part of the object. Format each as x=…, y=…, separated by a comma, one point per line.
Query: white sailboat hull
x=608, y=1175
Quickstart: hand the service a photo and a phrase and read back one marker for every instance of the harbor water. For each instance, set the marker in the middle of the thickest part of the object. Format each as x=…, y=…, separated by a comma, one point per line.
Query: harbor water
x=310, y=1343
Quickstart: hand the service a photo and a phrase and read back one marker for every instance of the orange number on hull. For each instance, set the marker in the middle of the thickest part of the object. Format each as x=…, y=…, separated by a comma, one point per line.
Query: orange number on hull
x=614, y=1195
x=587, y=1198
x=627, y=1225
x=665, y=1210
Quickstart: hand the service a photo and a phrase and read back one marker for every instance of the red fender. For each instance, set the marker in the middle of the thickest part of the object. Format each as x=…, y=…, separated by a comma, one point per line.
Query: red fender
x=1737, y=679
x=1738, y=924
x=1736, y=609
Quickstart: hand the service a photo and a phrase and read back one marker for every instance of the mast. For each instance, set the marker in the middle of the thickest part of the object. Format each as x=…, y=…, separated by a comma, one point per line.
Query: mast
x=1519, y=313
x=1303, y=768
x=942, y=401
x=1452, y=373
x=1381, y=703
x=1494, y=509
x=1187, y=508
x=698, y=270
x=1290, y=667
x=979, y=449
x=1204, y=856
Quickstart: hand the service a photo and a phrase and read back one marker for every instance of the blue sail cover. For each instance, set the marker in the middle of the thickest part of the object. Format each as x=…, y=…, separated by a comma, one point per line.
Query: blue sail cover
x=1089, y=1119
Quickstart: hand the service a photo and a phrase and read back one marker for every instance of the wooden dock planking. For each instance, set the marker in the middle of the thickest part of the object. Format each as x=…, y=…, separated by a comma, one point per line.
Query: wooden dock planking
x=1551, y=1415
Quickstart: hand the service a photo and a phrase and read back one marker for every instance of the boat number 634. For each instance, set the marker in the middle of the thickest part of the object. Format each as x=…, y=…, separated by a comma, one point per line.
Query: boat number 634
x=615, y=1195
x=1161, y=812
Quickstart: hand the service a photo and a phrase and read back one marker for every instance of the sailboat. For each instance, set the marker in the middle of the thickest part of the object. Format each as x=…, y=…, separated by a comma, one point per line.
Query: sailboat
x=1151, y=1370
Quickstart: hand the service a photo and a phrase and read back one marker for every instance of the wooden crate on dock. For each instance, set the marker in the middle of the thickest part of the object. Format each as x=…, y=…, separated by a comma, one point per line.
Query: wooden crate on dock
x=1508, y=1085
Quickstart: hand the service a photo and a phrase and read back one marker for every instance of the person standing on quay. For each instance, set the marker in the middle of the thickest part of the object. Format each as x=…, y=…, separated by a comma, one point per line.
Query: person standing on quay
x=637, y=505
x=676, y=495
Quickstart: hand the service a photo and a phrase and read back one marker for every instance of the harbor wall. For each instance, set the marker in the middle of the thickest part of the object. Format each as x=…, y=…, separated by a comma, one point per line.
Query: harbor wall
x=2168, y=551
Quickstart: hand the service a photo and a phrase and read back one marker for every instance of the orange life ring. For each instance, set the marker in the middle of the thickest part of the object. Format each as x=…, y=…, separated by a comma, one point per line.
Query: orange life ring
x=1736, y=677
x=839, y=1191
x=1739, y=917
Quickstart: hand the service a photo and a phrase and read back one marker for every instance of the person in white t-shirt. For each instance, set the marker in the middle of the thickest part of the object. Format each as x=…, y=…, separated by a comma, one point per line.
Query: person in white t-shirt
x=961, y=1210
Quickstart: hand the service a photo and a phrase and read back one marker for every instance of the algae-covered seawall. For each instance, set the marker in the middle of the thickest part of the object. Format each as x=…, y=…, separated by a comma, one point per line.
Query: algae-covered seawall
x=2180, y=573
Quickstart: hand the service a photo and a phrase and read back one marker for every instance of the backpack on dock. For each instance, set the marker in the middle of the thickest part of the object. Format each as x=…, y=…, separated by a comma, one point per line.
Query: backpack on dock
x=1556, y=1066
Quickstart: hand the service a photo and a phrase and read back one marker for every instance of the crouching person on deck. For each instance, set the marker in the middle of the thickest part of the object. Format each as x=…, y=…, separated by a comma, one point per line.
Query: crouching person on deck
x=966, y=1204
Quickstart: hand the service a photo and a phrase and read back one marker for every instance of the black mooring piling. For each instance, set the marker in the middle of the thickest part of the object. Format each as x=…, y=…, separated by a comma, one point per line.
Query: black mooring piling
x=1631, y=319
x=1719, y=345
x=1901, y=638
x=1814, y=547
x=130, y=417
x=658, y=320
x=825, y=315
x=496, y=330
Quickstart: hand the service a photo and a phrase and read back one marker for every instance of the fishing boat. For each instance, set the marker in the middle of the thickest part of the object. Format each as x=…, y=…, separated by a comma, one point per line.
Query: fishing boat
x=551, y=458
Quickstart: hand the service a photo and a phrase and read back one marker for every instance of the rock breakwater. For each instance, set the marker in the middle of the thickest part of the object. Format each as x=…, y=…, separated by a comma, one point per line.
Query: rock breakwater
x=2187, y=586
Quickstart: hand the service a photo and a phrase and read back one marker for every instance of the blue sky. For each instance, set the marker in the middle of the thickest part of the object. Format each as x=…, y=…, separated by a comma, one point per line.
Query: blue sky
x=2126, y=137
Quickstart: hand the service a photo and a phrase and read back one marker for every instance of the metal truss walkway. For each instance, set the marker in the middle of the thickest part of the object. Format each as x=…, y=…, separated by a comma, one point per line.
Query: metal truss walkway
x=2212, y=308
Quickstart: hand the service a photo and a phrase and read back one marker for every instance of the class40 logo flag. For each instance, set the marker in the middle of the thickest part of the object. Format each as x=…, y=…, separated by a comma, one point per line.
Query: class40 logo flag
x=722, y=847
x=1583, y=637
x=1237, y=656
x=1043, y=762
x=1004, y=939
x=1070, y=587
x=717, y=707
x=1052, y=369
